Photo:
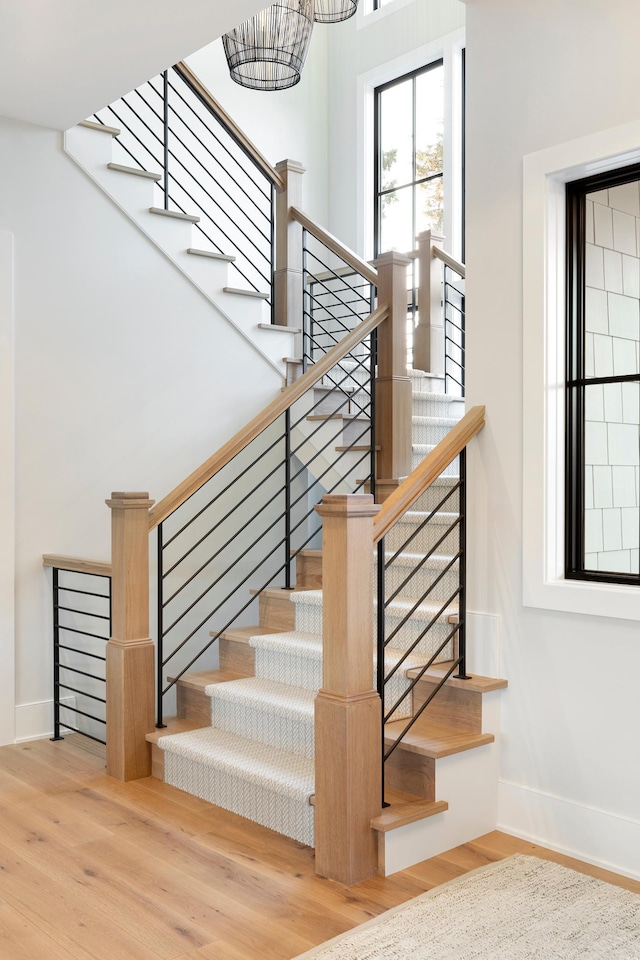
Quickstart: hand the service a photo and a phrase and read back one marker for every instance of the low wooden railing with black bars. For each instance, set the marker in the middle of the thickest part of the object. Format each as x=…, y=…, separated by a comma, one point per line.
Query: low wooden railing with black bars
x=305, y=471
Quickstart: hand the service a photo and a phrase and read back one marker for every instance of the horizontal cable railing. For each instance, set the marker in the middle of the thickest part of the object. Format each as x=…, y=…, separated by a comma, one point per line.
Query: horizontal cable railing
x=81, y=629
x=420, y=533
x=171, y=125
x=235, y=527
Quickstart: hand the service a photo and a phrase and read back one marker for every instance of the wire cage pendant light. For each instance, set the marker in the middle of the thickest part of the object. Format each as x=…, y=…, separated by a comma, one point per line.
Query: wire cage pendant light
x=268, y=51
x=332, y=11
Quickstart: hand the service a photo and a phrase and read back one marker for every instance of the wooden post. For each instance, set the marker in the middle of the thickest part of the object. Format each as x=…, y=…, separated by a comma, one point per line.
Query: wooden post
x=347, y=709
x=130, y=653
x=428, y=337
x=393, y=387
x=288, y=276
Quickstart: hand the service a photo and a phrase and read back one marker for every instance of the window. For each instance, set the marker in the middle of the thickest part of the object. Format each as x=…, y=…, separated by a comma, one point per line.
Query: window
x=602, y=466
x=409, y=158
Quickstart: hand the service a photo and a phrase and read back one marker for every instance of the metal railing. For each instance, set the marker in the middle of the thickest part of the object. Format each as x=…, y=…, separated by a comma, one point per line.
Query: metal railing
x=81, y=629
x=167, y=126
x=420, y=534
x=240, y=532
x=454, y=331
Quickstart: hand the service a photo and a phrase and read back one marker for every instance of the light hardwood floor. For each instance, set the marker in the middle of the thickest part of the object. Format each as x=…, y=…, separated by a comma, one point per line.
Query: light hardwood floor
x=91, y=868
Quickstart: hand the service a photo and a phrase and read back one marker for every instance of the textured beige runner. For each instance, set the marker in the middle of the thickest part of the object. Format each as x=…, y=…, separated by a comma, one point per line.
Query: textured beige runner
x=521, y=908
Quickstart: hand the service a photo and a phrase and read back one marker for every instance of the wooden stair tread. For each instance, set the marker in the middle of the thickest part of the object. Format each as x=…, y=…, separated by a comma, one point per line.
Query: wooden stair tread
x=278, y=327
x=434, y=740
x=244, y=634
x=134, y=171
x=398, y=814
x=309, y=552
x=174, y=214
x=211, y=254
x=202, y=678
x=475, y=684
x=173, y=725
x=239, y=292
x=101, y=127
x=274, y=593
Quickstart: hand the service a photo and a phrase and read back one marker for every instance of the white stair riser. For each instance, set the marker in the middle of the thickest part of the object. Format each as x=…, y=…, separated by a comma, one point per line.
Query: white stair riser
x=430, y=433
x=309, y=620
x=284, y=814
x=247, y=312
x=420, y=581
x=307, y=672
x=423, y=541
x=297, y=670
x=289, y=732
x=427, y=406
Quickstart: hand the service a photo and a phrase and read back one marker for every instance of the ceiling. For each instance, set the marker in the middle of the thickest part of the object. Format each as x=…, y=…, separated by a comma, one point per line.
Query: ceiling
x=62, y=59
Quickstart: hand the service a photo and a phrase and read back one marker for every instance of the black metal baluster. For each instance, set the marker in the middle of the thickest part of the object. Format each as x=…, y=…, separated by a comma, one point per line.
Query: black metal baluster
x=56, y=659
x=160, y=641
x=462, y=596
x=165, y=123
x=373, y=359
x=287, y=499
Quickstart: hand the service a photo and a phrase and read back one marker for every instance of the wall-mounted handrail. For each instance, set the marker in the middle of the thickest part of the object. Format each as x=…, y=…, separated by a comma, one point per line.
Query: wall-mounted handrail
x=332, y=243
x=96, y=568
x=239, y=136
x=165, y=507
x=404, y=496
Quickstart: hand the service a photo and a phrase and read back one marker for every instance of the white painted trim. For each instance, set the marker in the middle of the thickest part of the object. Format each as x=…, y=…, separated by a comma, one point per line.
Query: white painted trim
x=544, y=175
x=34, y=721
x=449, y=49
x=596, y=836
x=366, y=16
x=7, y=493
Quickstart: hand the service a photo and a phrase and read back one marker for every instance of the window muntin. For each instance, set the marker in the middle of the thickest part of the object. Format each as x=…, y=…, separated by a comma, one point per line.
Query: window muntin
x=409, y=158
x=603, y=378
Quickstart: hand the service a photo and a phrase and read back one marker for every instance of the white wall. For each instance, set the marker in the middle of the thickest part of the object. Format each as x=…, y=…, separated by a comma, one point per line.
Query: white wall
x=284, y=124
x=121, y=371
x=540, y=74
x=366, y=51
x=7, y=524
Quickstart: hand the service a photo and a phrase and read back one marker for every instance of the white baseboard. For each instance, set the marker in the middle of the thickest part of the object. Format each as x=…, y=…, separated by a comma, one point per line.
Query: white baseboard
x=34, y=721
x=599, y=837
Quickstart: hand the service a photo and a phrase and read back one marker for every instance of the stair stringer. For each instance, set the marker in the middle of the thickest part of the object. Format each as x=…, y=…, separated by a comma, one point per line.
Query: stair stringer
x=91, y=150
x=469, y=782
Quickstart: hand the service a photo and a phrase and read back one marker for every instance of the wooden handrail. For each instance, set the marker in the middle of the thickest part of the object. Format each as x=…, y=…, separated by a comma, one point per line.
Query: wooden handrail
x=194, y=81
x=404, y=496
x=289, y=395
x=449, y=261
x=361, y=266
x=97, y=568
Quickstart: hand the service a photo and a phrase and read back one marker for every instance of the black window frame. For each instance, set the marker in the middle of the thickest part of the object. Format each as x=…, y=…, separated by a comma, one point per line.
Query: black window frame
x=575, y=379
x=377, y=155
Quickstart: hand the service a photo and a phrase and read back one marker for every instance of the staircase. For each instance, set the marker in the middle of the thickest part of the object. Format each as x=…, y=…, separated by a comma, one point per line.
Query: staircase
x=244, y=735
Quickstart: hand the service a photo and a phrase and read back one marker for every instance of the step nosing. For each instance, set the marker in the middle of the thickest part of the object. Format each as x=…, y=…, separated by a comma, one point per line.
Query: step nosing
x=174, y=214
x=134, y=171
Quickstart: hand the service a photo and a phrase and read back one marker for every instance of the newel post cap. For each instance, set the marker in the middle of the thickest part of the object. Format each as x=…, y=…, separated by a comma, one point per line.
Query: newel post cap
x=347, y=505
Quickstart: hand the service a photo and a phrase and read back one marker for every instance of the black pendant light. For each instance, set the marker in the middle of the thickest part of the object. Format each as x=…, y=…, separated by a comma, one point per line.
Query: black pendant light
x=267, y=52
x=331, y=11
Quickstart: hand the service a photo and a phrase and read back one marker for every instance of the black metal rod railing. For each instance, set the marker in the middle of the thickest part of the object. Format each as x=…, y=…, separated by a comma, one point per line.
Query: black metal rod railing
x=63, y=609
x=435, y=586
x=242, y=530
x=167, y=124
x=454, y=333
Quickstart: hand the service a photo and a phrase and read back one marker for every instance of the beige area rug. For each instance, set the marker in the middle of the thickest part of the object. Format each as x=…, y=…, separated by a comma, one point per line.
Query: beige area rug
x=521, y=908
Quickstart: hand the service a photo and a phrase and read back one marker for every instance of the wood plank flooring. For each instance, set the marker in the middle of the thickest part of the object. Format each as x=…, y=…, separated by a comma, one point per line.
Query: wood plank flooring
x=91, y=868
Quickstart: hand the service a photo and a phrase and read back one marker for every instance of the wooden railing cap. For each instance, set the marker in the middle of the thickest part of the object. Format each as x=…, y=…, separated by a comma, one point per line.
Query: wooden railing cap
x=347, y=505
x=392, y=256
x=128, y=495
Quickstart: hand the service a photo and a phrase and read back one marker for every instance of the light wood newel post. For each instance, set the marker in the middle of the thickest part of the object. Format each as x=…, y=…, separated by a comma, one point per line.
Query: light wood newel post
x=288, y=276
x=347, y=710
x=130, y=653
x=428, y=337
x=393, y=387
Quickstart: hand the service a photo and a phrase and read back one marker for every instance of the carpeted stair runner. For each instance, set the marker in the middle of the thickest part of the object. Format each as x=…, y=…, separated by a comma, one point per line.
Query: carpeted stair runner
x=257, y=757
